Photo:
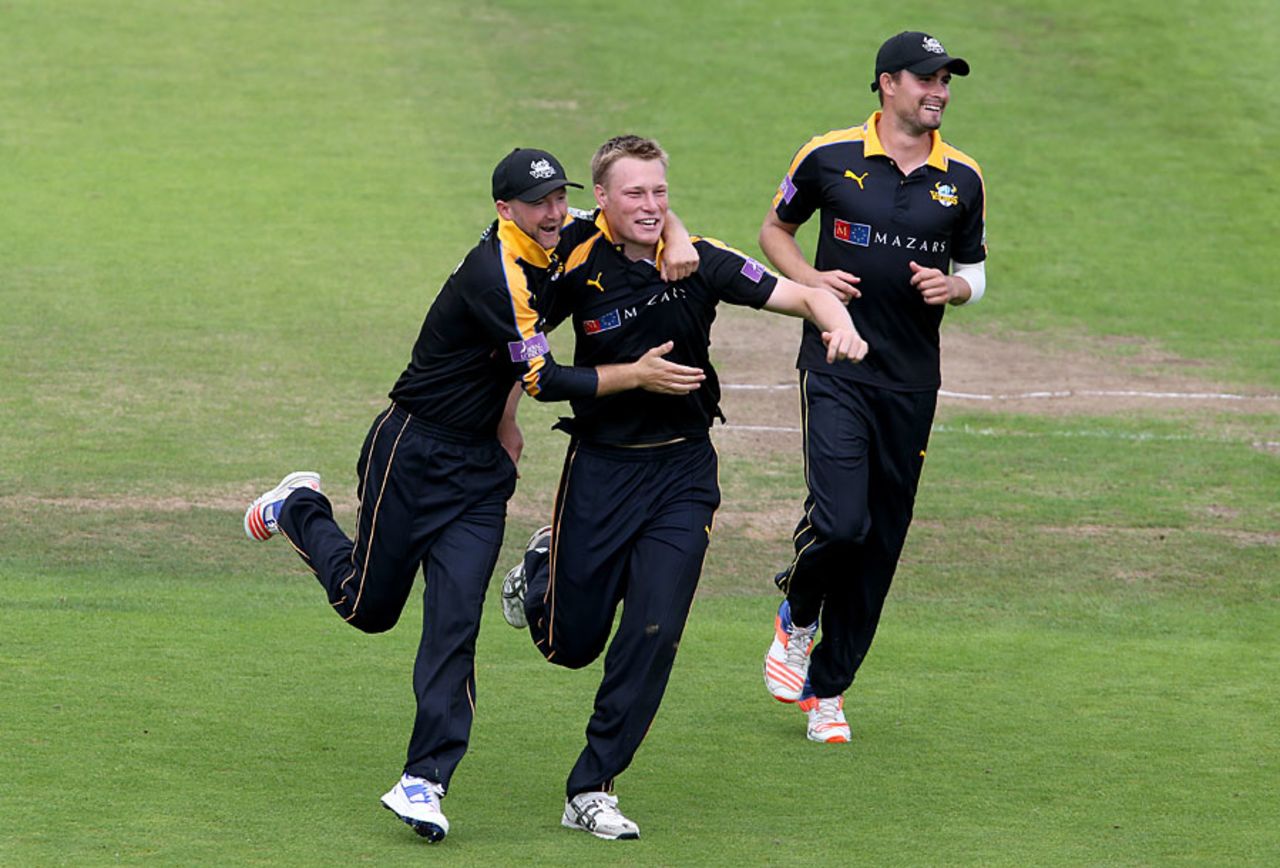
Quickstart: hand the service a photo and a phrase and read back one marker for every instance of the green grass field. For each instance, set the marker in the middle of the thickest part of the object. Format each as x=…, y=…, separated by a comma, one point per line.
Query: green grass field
x=222, y=223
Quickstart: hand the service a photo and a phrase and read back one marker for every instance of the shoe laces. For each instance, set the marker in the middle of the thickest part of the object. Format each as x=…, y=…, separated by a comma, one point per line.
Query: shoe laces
x=422, y=790
x=828, y=711
x=798, y=642
x=601, y=808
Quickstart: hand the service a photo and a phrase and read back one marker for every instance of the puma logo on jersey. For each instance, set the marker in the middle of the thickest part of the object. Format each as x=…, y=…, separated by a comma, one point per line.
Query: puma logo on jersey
x=848, y=173
x=596, y=281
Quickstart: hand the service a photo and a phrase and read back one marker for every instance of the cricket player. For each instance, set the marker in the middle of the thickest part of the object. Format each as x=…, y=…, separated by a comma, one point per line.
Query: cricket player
x=639, y=488
x=438, y=465
x=901, y=235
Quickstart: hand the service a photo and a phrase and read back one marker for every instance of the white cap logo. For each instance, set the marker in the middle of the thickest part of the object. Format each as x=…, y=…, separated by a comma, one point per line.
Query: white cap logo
x=932, y=45
x=541, y=169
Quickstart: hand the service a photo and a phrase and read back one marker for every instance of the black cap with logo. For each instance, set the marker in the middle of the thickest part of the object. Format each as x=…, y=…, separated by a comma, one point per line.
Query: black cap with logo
x=528, y=174
x=915, y=52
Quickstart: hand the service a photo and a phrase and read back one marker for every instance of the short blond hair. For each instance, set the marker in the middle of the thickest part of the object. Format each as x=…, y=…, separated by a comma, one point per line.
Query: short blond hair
x=624, y=146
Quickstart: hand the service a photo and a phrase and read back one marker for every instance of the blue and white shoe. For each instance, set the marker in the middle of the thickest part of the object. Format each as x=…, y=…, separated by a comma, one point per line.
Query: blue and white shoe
x=262, y=518
x=786, y=663
x=416, y=801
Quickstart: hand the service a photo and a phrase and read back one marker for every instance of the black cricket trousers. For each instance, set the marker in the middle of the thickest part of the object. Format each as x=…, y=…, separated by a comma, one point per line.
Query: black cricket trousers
x=433, y=497
x=631, y=526
x=864, y=449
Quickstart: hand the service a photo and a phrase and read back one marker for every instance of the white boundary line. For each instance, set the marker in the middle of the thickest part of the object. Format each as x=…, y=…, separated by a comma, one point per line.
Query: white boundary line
x=1060, y=393
x=1109, y=393
x=778, y=429
x=1099, y=433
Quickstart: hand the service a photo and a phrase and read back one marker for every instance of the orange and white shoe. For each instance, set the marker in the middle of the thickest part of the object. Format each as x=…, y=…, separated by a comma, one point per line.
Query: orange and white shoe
x=261, y=519
x=786, y=664
x=826, y=719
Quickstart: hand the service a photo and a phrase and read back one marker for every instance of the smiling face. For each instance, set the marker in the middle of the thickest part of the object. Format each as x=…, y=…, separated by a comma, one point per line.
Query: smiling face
x=540, y=220
x=916, y=101
x=633, y=197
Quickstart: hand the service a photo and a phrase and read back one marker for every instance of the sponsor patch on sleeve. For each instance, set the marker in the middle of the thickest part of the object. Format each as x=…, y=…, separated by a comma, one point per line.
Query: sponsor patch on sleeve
x=529, y=349
x=852, y=233
x=752, y=270
x=611, y=320
x=788, y=189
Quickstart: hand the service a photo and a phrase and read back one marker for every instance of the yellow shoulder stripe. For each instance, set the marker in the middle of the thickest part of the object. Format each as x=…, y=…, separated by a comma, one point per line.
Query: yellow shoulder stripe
x=852, y=134
x=526, y=316
x=580, y=253
x=954, y=153
x=518, y=287
x=965, y=160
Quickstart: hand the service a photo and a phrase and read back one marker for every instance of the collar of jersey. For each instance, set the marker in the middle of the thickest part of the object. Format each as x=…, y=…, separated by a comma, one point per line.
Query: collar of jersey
x=871, y=144
x=513, y=238
x=603, y=225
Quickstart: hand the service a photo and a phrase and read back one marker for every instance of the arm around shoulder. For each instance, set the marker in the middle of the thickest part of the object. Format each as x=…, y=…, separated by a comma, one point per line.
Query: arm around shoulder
x=679, y=256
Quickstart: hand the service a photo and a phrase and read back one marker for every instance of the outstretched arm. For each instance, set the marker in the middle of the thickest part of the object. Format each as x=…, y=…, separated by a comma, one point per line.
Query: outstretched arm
x=823, y=309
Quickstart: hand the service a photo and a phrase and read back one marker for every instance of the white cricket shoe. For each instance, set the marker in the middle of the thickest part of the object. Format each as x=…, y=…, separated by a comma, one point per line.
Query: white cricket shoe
x=786, y=665
x=598, y=814
x=261, y=519
x=513, y=587
x=417, y=802
x=516, y=582
x=826, y=719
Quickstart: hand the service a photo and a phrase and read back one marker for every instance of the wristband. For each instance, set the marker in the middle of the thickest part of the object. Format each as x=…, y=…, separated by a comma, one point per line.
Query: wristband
x=974, y=274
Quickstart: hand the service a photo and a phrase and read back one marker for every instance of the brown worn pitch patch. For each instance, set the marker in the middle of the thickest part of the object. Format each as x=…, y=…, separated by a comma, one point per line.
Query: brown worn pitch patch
x=1090, y=377
x=758, y=349
x=1239, y=537
x=1087, y=378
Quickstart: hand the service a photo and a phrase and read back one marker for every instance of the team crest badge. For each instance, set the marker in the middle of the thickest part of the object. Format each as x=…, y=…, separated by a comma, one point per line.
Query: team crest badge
x=933, y=46
x=945, y=195
x=541, y=169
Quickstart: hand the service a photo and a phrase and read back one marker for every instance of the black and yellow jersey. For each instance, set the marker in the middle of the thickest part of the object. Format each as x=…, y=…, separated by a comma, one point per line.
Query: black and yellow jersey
x=484, y=332
x=621, y=309
x=873, y=222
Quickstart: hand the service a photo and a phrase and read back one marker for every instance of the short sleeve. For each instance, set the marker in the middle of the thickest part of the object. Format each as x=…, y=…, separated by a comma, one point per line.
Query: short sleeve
x=969, y=242
x=799, y=194
x=505, y=312
x=734, y=276
x=578, y=226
